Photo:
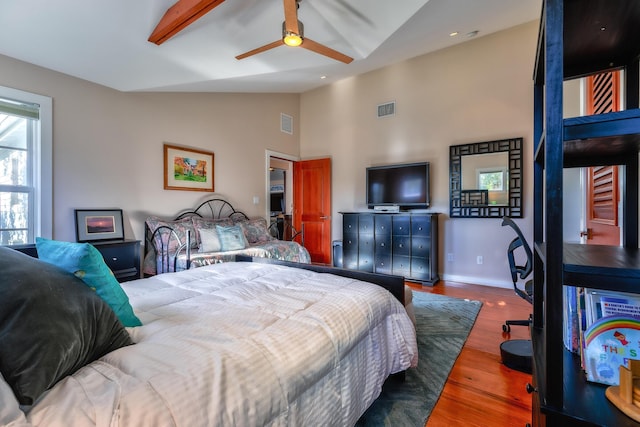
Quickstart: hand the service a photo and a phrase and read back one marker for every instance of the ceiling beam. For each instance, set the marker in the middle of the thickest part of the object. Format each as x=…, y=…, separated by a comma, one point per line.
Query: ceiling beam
x=179, y=16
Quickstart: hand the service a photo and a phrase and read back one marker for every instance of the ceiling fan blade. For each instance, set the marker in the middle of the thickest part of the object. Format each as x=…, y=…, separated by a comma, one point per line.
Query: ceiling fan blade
x=260, y=49
x=179, y=16
x=326, y=51
x=291, y=16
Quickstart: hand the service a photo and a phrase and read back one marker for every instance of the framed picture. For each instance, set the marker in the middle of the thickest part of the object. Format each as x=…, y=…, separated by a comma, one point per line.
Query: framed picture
x=95, y=225
x=187, y=169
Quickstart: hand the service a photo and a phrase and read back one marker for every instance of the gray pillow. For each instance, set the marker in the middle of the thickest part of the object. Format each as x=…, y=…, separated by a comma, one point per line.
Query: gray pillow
x=51, y=324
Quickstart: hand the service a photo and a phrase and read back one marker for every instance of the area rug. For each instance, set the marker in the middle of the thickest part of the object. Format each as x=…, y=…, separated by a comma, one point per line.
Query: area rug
x=443, y=325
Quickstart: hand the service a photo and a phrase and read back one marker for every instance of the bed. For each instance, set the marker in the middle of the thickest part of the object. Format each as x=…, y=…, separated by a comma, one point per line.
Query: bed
x=215, y=232
x=230, y=344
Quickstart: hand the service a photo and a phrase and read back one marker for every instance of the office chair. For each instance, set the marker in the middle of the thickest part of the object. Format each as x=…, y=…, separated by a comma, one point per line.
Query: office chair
x=517, y=354
x=523, y=271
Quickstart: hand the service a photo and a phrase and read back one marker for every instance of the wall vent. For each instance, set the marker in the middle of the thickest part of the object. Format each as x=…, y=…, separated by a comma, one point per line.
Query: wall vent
x=387, y=109
x=286, y=123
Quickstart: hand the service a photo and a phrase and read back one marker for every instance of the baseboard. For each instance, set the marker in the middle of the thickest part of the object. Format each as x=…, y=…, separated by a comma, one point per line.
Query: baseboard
x=483, y=281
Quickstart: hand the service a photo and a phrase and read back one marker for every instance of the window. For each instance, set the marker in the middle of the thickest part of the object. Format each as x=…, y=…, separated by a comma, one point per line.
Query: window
x=25, y=167
x=491, y=180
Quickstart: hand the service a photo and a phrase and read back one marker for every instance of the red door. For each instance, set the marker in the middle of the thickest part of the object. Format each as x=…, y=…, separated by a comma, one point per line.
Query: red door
x=602, y=206
x=603, y=96
x=312, y=206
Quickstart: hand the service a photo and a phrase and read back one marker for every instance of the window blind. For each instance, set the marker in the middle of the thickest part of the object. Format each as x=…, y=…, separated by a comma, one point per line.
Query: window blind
x=20, y=109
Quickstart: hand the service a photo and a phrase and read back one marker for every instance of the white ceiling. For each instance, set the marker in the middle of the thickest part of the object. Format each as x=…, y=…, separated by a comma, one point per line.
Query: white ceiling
x=105, y=41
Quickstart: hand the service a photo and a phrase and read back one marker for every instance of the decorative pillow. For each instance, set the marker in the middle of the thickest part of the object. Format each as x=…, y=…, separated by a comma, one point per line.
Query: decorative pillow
x=209, y=241
x=51, y=324
x=87, y=263
x=231, y=238
x=256, y=232
x=181, y=227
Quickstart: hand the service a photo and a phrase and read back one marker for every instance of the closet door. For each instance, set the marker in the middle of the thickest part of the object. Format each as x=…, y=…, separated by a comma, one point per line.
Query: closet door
x=603, y=96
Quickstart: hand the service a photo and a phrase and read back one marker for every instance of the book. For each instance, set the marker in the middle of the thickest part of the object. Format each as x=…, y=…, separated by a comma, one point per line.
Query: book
x=610, y=342
x=623, y=306
x=571, y=319
x=601, y=303
x=582, y=322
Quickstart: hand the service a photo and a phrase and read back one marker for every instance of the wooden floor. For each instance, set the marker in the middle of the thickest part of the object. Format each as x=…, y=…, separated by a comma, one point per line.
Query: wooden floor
x=481, y=391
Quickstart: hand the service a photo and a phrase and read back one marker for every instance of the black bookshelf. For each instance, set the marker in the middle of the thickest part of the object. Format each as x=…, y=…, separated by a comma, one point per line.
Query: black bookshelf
x=578, y=38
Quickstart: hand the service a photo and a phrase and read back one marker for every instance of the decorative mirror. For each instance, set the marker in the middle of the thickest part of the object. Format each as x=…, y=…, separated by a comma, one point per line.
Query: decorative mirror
x=486, y=179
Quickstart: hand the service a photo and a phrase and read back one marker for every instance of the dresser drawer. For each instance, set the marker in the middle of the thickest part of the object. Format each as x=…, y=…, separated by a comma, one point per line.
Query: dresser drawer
x=420, y=269
x=402, y=266
x=420, y=246
x=421, y=226
x=350, y=251
x=383, y=246
x=365, y=262
x=401, y=245
x=365, y=252
x=401, y=226
x=382, y=225
x=350, y=223
x=383, y=263
x=365, y=224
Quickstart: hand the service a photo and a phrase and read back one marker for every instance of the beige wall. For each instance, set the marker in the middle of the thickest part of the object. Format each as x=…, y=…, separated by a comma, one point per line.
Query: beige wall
x=108, y=145
x=477, y=91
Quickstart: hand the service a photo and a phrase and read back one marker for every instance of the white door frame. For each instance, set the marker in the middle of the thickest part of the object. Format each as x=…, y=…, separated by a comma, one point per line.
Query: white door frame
x=268, y=155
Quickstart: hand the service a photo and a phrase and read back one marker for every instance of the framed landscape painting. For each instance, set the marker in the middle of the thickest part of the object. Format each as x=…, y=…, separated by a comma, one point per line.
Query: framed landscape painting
x=187, y=169
x=95, y=225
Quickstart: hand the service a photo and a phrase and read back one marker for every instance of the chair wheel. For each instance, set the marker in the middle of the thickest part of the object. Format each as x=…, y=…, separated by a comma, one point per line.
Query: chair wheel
x=506, y=328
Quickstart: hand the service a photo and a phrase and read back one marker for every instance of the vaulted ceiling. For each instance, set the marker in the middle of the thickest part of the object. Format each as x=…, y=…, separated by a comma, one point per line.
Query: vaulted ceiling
x=106, y=42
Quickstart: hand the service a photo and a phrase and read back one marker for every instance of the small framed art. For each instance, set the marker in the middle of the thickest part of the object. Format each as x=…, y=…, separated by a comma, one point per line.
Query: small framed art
x=187, y=169
x=95, y=225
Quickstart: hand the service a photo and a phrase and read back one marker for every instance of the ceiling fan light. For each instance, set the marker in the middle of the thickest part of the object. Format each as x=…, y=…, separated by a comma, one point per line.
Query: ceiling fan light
x=292, y=39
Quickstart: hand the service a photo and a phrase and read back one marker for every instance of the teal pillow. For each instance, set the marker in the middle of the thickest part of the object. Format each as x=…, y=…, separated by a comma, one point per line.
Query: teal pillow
x=87, y=263
x=231, y=238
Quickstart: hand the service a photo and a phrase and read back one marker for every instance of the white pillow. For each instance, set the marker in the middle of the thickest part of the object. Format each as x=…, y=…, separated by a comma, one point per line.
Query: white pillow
x=209, y=240
x=10, y=413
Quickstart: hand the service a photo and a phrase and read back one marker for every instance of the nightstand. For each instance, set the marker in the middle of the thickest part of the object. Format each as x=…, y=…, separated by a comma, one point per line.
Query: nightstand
x=122, y=257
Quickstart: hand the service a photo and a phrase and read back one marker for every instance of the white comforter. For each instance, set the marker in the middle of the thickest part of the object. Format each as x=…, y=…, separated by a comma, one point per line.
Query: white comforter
x=241, y=344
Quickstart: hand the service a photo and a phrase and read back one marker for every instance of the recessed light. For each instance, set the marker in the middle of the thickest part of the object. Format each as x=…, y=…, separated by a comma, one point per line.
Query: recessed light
x=453, y=34
x=323, y=77
x=472, y=34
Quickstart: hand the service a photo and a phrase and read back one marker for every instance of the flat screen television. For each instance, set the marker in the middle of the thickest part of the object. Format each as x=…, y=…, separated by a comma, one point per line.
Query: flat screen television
x=404, y=185
x=277, y=203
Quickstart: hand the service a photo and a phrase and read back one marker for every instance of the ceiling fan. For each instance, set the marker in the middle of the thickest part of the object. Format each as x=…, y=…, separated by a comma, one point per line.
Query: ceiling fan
x=184, y=12
x=293, y=35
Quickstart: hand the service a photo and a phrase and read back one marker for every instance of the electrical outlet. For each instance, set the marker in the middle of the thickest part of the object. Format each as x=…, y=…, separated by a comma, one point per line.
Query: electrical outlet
x=449, y=257
x=479, y=259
